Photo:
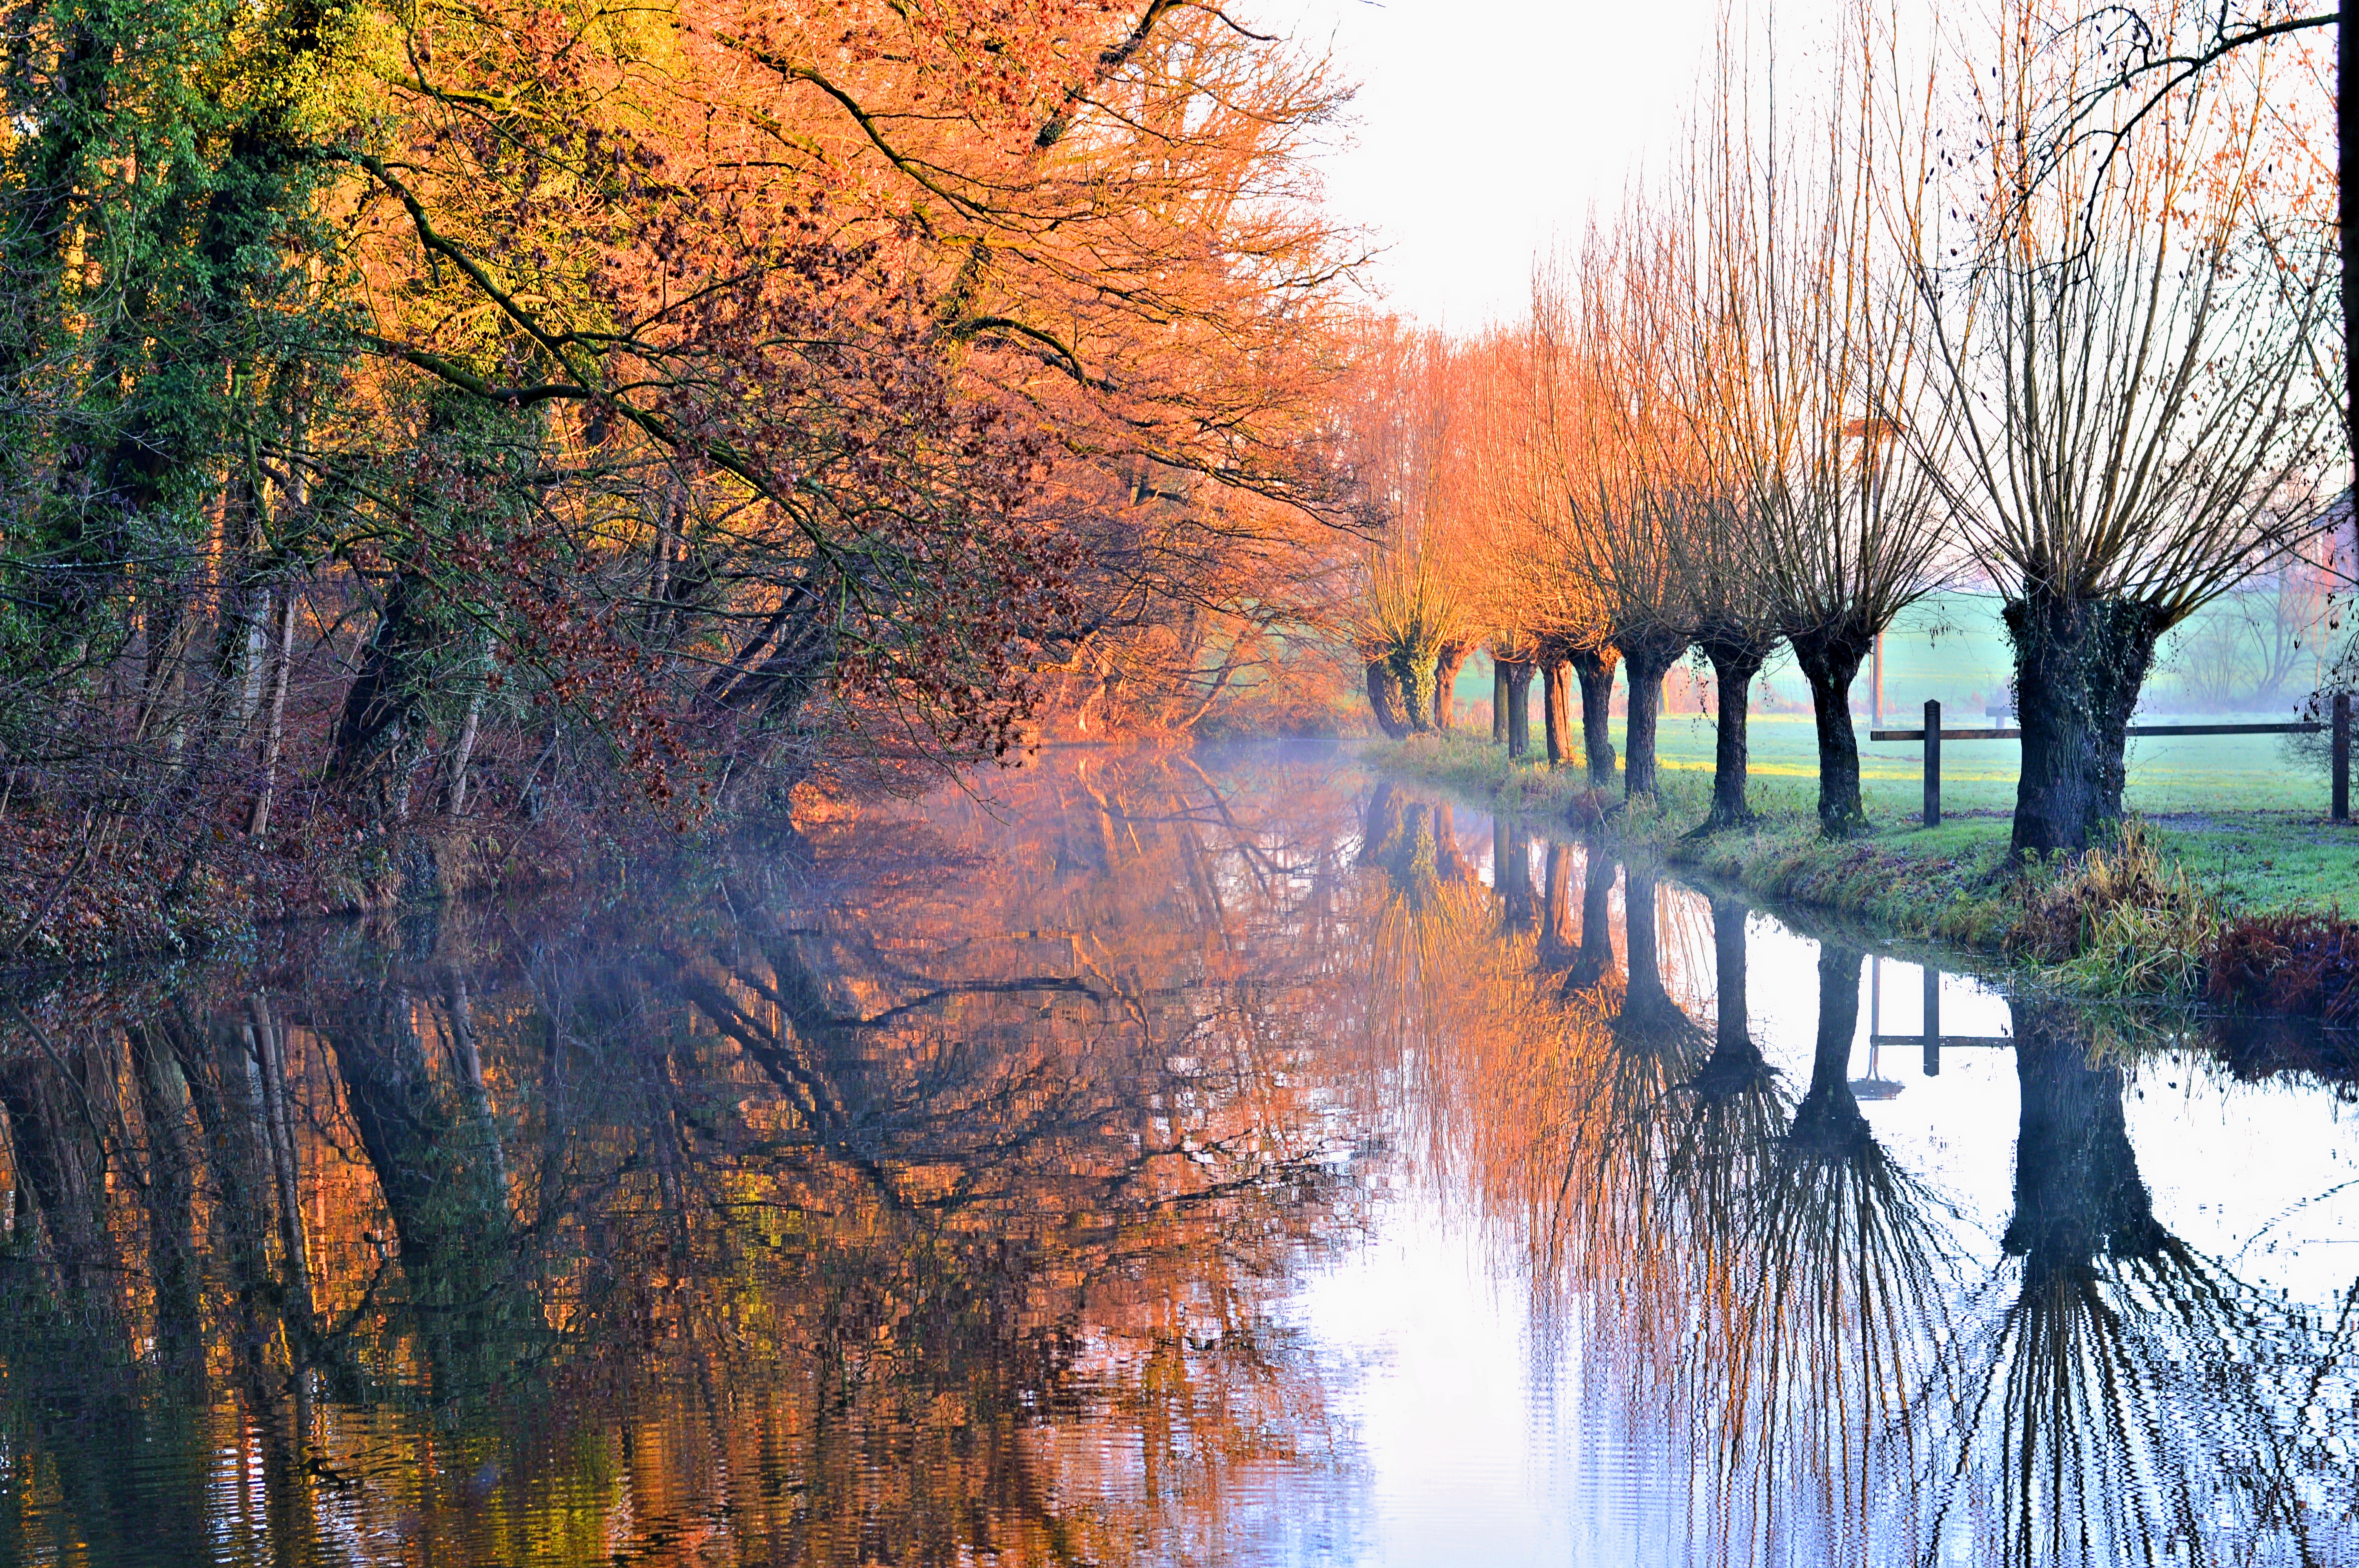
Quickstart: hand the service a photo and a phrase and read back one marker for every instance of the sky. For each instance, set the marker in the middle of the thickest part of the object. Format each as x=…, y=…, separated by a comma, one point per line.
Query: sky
x=1488, y=128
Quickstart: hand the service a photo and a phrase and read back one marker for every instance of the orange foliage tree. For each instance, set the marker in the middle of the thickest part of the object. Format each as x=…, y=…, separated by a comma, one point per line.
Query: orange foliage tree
x=698, y=395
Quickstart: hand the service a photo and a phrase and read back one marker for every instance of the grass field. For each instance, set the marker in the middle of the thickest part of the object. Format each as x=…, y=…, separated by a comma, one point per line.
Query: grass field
x=2234, y=810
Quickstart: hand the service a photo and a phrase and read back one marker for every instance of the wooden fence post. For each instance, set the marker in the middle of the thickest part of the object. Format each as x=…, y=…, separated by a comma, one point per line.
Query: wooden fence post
x=1932, y=1021
x=2341, y=749
x=1932, y=762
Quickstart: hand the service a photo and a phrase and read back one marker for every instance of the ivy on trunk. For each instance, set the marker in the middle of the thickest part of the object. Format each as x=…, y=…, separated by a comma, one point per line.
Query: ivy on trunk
x=1414, y=668
x=2078, y=665
x=2078, y=1193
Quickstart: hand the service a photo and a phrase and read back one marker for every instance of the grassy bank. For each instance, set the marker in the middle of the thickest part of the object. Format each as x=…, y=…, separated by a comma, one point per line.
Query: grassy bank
x=2210, y=853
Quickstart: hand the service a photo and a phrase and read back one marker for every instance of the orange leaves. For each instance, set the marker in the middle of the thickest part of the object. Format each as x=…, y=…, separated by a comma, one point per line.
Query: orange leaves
x=880, y=302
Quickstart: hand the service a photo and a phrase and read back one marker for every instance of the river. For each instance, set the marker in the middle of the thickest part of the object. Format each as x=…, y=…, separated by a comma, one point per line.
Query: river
x=1226, y=1160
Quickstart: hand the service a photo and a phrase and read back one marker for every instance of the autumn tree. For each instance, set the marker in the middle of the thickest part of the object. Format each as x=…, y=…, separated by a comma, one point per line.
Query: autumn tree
x=1617, y=466
x=1404, y=434
x=1732, y=603
x=697, y=394
x=1537, y=604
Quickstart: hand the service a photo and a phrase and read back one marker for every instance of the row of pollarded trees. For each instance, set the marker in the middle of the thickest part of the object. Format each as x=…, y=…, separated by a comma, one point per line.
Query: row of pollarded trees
x=1861, y=341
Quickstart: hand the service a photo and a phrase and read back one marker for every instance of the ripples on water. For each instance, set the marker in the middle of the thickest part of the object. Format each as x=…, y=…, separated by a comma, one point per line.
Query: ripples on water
x=1234, y=1163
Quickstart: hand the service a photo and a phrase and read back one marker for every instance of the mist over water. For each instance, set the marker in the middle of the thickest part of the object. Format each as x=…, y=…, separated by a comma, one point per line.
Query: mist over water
x=1227, y=1160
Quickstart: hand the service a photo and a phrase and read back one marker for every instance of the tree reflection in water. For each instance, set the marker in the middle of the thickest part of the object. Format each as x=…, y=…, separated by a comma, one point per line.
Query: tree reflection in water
x=1764, y=1300
x=929, y=1215
x=938, y=1198
x=2119, y=1397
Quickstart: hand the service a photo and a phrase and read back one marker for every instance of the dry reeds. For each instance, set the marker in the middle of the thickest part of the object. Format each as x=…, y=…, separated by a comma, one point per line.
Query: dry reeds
x=2124, y=919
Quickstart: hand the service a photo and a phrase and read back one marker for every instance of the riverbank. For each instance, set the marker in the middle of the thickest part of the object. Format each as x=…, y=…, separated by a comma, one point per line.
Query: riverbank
x=108, y=898
x=2237, y=900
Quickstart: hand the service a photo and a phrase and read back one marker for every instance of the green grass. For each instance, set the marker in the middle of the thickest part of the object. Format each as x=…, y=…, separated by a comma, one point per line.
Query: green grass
x=2245, y=823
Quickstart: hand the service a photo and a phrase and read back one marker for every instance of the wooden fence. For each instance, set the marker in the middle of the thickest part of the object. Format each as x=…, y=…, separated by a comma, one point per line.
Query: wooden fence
x=1933, y=735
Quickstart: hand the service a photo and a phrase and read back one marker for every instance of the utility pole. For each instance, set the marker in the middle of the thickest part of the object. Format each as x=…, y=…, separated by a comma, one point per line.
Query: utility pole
x=1875, y=686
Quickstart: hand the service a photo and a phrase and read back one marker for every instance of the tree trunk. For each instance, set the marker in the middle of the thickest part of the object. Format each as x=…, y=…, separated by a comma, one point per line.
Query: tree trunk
x=660, y=573
x=1556, y=919
x=1730, y=1027
x=472, y=1087
x=465, y=750
x=1595, y=669
x=224, y=1083
x=382, y=704
x=1735, y=1067
x=1595, y=959
x=1556, y=709
x=1446, y=666
x=1828, y=1124
x=1519, y=708
x=1513, y=874
x=50, y=1160
x=1830, y=661
x=2079, y=666
x=461, y=752
x=1499, y=855
x=1650, y=660
x=1449, y=860
x=254, y=662
x=2078, y=1192
x=275, y=731
x=1649, y=1019
x=1380, y=829
x=270, y=1047
x=1735, y=663
x=172, y=1165
x=1416, y=871
x=1413, y=670
x=1384, y=699
x=1498, y=702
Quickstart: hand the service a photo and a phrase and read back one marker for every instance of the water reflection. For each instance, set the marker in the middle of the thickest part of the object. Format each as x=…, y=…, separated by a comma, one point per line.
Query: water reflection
x=961, y=1193
x=2131, y=1399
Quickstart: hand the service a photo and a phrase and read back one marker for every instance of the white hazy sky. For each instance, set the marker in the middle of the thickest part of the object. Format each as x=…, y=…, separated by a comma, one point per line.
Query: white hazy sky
x=1486, y=130
x=1487, y=127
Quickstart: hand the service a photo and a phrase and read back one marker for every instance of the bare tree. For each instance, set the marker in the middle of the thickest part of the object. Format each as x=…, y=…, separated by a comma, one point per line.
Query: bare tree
x=1731, y=606
x=1811, y=383
x=2139, y=352
x=2144, y=57
x=2246, y=650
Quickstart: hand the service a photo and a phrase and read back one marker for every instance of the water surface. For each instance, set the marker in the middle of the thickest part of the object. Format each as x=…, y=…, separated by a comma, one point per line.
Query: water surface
x=1227, y=1160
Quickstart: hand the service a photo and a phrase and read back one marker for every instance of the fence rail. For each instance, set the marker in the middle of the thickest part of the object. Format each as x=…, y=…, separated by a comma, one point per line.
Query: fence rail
x=1932, y=1039
x=1933, y=735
